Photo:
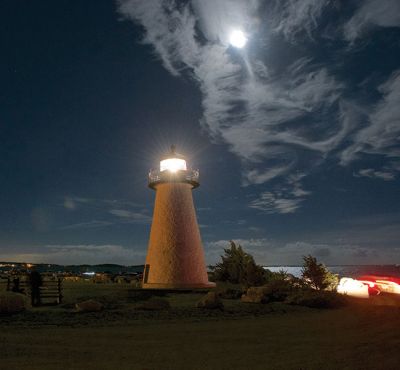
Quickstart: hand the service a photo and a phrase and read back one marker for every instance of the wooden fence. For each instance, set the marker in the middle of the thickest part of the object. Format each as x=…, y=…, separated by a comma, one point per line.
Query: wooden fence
x=50, y=291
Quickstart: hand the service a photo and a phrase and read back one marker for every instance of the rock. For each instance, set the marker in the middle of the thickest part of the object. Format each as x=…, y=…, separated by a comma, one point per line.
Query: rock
x=210, y=301
x=230, y=293
x=255, y=294
x=12, y=303
x=89, y=306
x=155, y=304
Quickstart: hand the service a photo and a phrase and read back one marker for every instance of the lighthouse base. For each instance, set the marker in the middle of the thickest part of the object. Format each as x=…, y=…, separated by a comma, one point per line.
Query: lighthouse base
x=178, y=286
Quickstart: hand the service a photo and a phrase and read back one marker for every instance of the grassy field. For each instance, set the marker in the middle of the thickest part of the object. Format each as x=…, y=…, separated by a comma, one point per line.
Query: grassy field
x=363, y=335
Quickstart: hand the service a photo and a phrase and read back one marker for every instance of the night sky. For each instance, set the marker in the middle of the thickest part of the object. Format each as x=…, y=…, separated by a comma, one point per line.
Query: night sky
x=296, y=134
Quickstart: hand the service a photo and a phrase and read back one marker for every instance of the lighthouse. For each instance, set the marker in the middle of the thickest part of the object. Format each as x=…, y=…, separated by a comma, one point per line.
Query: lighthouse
x=175, y=256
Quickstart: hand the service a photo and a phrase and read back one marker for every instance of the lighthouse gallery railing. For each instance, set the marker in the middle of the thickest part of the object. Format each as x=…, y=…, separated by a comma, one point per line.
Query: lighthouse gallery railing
x=189, y=176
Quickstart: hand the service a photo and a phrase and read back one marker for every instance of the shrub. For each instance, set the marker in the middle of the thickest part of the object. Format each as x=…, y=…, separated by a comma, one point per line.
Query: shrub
x=12, y=303
x=316, y=299
x=277, y=290
x=317, y=276
x=238, y=267
x=273, y=291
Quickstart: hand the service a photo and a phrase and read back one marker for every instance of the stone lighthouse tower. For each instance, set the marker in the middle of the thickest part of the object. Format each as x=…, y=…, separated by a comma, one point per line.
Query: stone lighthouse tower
x=175, y=257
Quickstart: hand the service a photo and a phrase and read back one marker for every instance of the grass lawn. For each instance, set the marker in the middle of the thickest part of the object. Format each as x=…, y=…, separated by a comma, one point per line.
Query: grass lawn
x=363, y=335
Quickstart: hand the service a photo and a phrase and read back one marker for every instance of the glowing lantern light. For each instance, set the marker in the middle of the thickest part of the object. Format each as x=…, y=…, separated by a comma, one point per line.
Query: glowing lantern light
x=173, y=165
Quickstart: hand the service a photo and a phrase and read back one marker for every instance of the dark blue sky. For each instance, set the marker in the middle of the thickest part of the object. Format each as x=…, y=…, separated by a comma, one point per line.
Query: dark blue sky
x=296, y=135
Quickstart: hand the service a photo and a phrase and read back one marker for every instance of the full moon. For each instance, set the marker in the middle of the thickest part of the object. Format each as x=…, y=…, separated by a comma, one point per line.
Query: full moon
x=237, y=39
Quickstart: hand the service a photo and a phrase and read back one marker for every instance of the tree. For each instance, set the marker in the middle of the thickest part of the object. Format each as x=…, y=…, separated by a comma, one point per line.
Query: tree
x=238, y=267
x=317, y=275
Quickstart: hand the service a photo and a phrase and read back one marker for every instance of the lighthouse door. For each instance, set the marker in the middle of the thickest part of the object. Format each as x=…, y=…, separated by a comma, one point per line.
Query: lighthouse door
x=146, y=273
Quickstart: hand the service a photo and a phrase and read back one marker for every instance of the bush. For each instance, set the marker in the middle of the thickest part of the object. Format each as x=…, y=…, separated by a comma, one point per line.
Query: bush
x=316, y=299
x=277, y=290
x=317, y=276
x=274, y=291
x=229, y=291
x=12, y=303
x=238, y=267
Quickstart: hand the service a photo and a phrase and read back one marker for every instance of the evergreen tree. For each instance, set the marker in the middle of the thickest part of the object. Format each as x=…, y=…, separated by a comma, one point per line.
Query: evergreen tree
x=239, y=267
x=317, y=275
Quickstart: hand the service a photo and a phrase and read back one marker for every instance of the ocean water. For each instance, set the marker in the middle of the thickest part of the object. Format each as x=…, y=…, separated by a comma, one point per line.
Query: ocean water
x=294, y=270
x=346, y=271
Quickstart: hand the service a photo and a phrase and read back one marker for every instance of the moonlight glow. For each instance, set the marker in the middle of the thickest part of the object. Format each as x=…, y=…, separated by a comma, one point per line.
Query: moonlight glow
x=237, y=39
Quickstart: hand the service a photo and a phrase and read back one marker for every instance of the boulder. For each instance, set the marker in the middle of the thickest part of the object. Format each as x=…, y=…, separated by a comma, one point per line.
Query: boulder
x=230, y=293
x=255, y=294
x=89, y=306
x=155, y=304
x=210, y=301
x=12, y=303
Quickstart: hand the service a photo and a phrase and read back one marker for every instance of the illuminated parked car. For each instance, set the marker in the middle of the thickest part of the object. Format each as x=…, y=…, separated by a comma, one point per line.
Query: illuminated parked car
x=385, y=284
x=353, y=288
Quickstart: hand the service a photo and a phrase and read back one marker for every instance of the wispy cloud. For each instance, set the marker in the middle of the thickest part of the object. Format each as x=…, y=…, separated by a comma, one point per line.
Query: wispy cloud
x=108, y=212
x=382, y=134
x=277, y=118
x=293, y=18
x=282, y=199
x=276, y=203
x=130, y=217
x=373, y=174
x=372, y=13
x=86, y=225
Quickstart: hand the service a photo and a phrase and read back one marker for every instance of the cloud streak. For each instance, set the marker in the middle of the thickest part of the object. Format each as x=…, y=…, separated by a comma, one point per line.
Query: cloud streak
x=108, y=212
x=80, y=254
x=270, y=252
x=381, y=136
x=283, y=199
x=370, y=14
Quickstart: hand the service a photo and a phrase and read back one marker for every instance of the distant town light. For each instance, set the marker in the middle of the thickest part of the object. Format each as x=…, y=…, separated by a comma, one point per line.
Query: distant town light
x=173, y=165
